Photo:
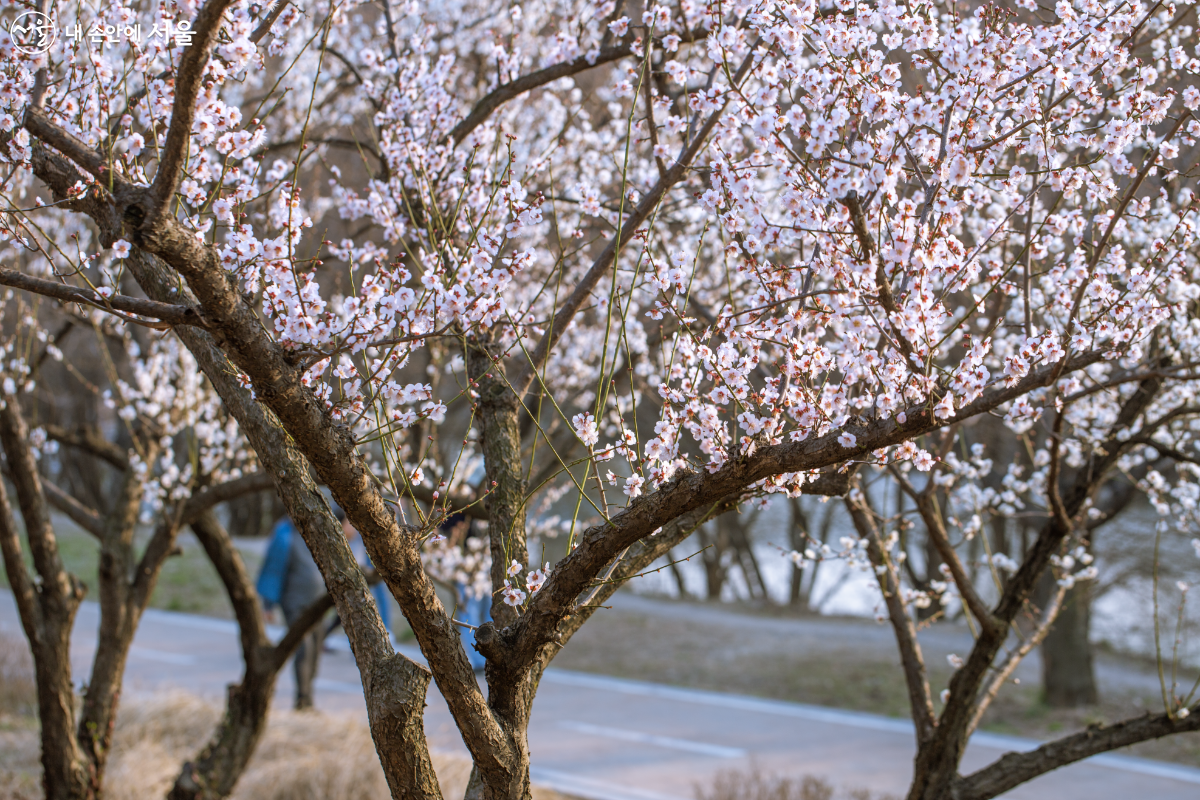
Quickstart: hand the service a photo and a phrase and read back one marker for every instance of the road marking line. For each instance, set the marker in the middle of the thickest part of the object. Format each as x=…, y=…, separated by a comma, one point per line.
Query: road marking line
x=591, y=789
x=650, y=738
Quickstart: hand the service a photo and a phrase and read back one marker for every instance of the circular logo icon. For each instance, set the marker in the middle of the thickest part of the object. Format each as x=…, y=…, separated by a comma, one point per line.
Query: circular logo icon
x=33, y=32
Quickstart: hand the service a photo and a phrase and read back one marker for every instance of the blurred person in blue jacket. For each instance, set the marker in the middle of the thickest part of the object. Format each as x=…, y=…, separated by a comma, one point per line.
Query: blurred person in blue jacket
x=289, y=579
x=379, y=589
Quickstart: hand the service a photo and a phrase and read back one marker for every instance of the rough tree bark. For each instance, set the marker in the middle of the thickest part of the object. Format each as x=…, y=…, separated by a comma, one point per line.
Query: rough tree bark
x=510, y=692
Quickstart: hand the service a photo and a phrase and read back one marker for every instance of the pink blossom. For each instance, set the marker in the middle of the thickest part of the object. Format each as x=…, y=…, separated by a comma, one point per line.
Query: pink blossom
x=537, y=578
x=585, y=428
x=512, y=595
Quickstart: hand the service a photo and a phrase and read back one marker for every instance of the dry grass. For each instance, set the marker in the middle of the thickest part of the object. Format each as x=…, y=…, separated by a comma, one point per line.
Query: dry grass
x=20, y=772
x=302, y=756
x=18, y=729
x=18, y=693
x=753, y=784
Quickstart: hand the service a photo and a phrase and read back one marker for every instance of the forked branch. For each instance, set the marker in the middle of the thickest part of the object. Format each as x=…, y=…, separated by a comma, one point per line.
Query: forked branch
x=916, y=677
x=183, y=112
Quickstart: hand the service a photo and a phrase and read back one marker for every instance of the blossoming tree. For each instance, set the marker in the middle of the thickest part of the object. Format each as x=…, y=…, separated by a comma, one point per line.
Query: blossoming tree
x=647, y=263
x=166, y=456
x=123, y=438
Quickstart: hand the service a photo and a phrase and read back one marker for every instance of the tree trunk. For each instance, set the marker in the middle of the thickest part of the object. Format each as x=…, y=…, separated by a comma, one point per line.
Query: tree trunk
x=797, y=597
x=510, y=692
x=678, y=576
x=933, y=560
x=47, y=609
x=119, y=615
x=500, y=441
x=65, y=773
x=394, y=686
x=1068, y=670
x=216, y=769
x=744, y=550
x=246, y=515
x=713, y=558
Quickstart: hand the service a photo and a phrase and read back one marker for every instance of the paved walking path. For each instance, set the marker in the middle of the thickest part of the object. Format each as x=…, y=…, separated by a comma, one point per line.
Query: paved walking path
x=611, y=739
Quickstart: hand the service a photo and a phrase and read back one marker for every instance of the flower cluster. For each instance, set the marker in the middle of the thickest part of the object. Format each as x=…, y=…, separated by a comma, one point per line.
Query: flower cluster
x=700, y=230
